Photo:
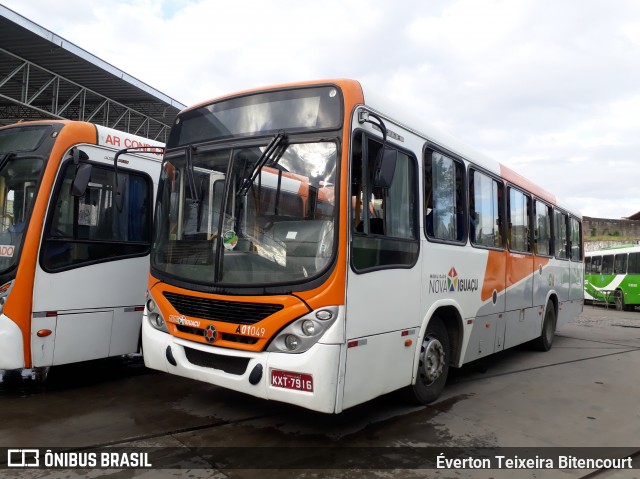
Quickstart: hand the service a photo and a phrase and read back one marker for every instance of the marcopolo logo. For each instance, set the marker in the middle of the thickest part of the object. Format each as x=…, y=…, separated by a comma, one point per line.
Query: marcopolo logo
x=451, y=283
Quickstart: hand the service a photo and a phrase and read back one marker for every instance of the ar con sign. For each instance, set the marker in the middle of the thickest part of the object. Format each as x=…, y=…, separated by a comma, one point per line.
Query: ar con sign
x=6, y=251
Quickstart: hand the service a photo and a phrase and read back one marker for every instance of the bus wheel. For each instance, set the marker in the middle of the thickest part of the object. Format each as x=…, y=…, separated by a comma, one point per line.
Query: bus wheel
x=545, y=341
x=433, y=365
x=620, y=300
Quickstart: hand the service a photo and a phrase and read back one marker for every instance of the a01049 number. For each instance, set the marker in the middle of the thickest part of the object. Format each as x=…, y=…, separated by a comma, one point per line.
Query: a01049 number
x=254, y=331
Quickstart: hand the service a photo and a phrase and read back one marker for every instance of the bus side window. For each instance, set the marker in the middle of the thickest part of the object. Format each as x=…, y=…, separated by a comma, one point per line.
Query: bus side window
x=560, y=235
x=620, y=264
x=384, y=226
x=485, y=210
x=576, y=240
x=444, y=198
x=88, y=229
x=542, y=229
x=633, y=266
x=519, y=213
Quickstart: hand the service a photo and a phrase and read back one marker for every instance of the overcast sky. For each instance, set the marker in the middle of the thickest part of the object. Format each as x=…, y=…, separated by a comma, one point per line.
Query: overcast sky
x=550, y=88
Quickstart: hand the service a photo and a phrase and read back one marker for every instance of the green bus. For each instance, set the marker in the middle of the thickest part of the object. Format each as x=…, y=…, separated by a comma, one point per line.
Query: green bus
x=612, y=276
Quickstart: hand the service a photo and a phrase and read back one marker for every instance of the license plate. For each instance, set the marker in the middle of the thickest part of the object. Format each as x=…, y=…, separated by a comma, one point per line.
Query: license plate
x=289, y=380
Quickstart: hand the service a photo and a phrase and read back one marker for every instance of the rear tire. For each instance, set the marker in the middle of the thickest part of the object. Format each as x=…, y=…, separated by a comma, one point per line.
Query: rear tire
x=433, y=364
x=545, y=341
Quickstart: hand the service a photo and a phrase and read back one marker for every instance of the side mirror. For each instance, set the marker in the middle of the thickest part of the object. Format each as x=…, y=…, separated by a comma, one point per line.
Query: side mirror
x=385, y=168
x=81, y=180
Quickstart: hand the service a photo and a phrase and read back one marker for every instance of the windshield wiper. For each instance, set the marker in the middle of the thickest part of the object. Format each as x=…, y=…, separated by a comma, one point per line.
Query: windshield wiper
x=191, y=176
x=273, y=152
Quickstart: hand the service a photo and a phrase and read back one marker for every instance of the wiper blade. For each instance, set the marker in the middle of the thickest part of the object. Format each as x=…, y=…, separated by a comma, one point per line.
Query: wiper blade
x=273, y=152
x=191, y=176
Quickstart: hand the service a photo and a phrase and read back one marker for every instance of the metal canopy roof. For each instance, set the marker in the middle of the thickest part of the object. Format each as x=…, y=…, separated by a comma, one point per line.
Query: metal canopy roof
x=44, y=76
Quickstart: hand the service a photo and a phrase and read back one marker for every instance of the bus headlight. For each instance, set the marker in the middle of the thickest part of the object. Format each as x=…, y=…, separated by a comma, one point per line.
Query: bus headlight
x=291, y=341
x=152, y=312
x=308, y=327
x=304, y=332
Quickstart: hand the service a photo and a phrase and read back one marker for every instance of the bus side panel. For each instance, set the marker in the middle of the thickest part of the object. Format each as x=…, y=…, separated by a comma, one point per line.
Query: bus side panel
x=560, y=279
x=377, y=365
x=380, y=304
x=542, y=281
x=93, y=305
x=486, y=337
x=518, y=326
x=483, y=311
x=382, y=301
x=568, y=311
x=576, y=290
x=522, y=325
x=82, y=336
x=519, y=281
x=42, y=347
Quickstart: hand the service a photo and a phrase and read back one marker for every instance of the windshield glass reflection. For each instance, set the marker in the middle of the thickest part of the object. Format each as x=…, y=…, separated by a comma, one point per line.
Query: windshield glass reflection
x=280, y=229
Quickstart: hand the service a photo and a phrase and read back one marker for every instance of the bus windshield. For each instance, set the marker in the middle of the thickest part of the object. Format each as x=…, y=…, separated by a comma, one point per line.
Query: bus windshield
x=20, y=172
x=238, y=216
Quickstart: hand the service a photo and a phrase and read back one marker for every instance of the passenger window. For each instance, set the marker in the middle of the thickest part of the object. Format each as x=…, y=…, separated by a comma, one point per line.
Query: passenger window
x=485, y=211
x=542, y=239
x=519, y=231
x=576, y=240
x=620, y=264
x=383, y=216
x=596, y=264
x=634, y=263
x=560, y=235
x=444, y=198
x=90, y=228
x=607, y=264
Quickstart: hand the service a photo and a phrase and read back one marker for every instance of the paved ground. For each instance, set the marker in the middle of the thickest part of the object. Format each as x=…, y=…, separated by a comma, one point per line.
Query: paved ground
x=582, y=393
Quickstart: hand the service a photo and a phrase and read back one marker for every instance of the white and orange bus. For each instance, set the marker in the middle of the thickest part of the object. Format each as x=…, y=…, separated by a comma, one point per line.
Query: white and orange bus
x=402, y=254
x=72, y=264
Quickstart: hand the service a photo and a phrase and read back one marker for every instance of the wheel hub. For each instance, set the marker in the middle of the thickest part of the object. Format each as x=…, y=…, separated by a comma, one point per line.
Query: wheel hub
x=432, y=359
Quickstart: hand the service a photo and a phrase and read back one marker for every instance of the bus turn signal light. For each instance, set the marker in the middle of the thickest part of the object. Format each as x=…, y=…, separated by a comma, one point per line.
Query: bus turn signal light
x=43, y=333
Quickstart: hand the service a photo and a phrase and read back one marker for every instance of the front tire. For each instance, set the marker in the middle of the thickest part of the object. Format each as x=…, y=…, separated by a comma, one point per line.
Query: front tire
x=545, y=341
x=433, y=364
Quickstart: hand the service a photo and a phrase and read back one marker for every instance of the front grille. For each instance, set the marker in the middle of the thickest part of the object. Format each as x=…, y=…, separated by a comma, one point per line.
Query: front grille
x=219, y=310
x=235, y=338
x=228, y=364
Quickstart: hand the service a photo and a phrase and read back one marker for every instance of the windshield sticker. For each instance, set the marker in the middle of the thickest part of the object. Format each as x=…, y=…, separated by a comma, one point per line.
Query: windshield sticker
x=230, y=240
x=6, y=251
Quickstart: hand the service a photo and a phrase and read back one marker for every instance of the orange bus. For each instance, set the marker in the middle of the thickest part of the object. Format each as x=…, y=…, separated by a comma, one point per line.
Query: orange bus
x=72, y=265
x=406, y=252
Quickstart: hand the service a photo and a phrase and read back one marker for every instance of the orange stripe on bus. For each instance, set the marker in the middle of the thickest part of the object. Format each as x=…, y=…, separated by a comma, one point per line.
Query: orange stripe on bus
x=504, y=269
